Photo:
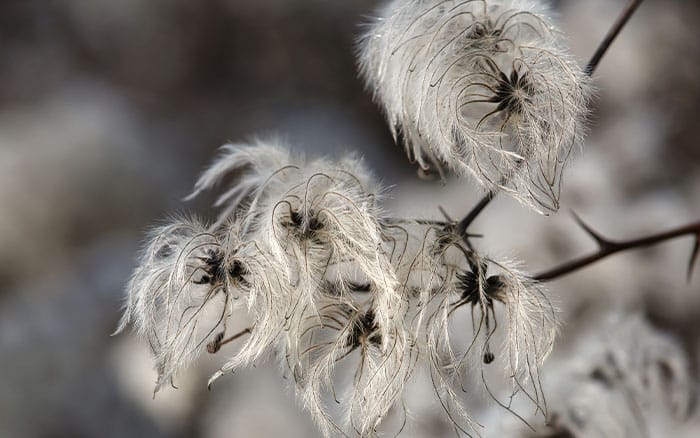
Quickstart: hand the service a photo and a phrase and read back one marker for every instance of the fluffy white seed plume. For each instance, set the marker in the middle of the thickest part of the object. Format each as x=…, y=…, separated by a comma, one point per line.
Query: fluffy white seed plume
x=484, y=87
x=502, y=306
x=176, y=297
x=258, y=279
x=411, y=247
x=329, y=283
x=328, y=228
x=319, y=219
x=345, y=331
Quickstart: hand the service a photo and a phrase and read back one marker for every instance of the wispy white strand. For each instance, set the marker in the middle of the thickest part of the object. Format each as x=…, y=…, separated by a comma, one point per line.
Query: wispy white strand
x=172, y=301
x=305, y=249
x=505, y=309
x=342, y=329
x=266, y=293
x=483, y=87
x=254, y=164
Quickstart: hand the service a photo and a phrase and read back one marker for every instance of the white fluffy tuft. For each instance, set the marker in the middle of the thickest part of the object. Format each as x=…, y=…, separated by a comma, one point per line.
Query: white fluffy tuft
x=483, y=87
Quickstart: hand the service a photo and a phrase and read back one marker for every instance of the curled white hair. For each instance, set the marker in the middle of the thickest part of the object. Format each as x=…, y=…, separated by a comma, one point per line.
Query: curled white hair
x=502, y=307
x=254, y=164
x=318, y=219
x=176, y=297
x=344, y=329
x=257, y=276
x=484, y=87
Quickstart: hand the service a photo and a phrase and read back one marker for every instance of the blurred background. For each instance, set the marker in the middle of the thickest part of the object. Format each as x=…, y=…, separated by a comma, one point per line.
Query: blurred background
x=110, y=109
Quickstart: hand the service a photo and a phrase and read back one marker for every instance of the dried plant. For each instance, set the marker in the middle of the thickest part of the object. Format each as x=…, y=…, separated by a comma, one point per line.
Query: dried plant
x=528, y=327
x=485, y=88
x=177, y=297
x=334, y=284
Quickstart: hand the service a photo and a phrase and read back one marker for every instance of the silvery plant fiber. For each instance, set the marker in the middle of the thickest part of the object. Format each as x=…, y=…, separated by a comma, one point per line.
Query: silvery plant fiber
x=485, y=88
x=303, y=248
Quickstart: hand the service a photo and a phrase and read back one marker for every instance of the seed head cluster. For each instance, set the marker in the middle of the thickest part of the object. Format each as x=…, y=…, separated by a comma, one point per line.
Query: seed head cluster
x=351, y=301
x=304, y=250
x=625, y=377
x=485, y=88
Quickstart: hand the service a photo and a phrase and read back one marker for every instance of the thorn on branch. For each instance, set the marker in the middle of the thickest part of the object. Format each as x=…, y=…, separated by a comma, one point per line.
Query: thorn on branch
x=599, y=239
x=445, y=214
x=609, y=247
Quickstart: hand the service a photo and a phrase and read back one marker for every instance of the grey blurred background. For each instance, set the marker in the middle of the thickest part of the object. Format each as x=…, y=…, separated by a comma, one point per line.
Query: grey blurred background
x=109, y=110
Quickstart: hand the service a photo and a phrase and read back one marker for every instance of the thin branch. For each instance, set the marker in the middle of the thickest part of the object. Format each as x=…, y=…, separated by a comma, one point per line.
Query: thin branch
x=607, y=247
x=447, y=224
x=603, y=47
x=474, y=213
x=219, y=341
x=693, y=257
x=396, y=220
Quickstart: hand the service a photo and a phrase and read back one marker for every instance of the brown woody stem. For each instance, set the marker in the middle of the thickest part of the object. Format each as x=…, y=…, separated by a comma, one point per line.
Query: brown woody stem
x=216, y=345
x=614, y=31
x=608, y=247
x=474, y=213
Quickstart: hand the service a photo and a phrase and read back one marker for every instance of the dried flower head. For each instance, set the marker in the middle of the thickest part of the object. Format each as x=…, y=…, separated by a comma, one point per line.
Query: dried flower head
x=257, y=278
x=504, y=308
x=344, y=330
x=177, y=297
x=318, y=220
x=484, y=87
x=331, y=284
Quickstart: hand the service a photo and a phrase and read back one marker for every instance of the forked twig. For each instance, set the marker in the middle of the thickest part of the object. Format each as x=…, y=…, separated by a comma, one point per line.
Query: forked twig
x=608, y=247
x=474, y=213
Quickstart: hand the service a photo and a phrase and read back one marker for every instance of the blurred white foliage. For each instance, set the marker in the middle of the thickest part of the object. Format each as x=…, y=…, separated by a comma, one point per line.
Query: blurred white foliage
x=623, y=378
x=56, y=354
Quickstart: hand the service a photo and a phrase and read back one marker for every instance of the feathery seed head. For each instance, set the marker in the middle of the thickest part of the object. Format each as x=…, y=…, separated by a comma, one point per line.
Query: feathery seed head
x=302, y=247
x=176, y=297
x=503, y=306
x=345, y=330
x=483, y=87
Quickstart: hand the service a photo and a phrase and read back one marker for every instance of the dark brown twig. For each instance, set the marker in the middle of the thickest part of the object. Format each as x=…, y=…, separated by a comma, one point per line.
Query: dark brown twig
x=219, y=342
x=394, y=220
x=607, y=247
x=614, y=31
x=474, y=213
